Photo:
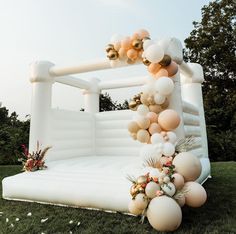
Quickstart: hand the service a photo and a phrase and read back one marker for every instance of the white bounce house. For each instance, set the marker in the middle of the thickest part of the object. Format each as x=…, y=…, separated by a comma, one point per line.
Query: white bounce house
x=92, y=152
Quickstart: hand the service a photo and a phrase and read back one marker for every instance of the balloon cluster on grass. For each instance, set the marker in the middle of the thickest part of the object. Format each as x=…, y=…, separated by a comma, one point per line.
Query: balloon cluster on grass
x=167, y=185
x=167, y=182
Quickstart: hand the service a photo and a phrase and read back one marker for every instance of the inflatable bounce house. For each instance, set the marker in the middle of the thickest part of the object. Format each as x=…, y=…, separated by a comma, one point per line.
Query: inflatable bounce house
x=149, y=160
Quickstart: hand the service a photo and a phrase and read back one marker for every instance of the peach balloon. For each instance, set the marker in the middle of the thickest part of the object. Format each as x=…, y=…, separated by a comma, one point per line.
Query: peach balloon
x=154, y=68
x=133, y=127
x=122, y=53
x=135, y=36
x=126, y=43
x=141, y=201
x=178, y=181
x=187, y=165
x=172, y=69
x=132, y=54
x=143, y=122
x=164, y=214
x=155, y=108
x=152, y=117
x=162, y=72
x=143, y=33
x=196, y=195
x=143, y=136
x=168, y=119
x=133, y=135
x=154, y=128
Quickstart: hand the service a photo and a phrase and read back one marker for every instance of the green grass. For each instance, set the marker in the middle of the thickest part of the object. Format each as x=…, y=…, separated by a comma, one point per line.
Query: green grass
x=218, y=215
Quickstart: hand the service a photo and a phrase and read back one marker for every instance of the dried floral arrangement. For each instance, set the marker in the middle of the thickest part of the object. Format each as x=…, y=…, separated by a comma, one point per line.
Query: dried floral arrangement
x=34, y=161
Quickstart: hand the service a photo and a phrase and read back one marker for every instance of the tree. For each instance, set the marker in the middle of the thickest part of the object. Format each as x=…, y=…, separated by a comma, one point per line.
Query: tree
x=212, y=43
x=13, y=133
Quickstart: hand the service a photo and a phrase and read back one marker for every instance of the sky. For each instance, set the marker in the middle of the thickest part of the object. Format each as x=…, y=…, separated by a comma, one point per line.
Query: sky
x=67, y=32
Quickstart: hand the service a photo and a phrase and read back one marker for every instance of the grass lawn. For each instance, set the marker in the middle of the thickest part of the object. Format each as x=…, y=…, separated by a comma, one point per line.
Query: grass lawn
x=218, y=215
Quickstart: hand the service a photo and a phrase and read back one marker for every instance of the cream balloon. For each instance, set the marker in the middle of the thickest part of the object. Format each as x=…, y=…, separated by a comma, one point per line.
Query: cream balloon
x=143, y=136
x=188, y=166
x=133, y=127
x=172, y=137
x=164, y=214
x=151, y=189
x=169, y=189
x=180, y=200
x=154, y=53
x=141, y=201
x=143, y=122
x=116, y=38
x=133, y=209
x=178, y=181
x=195, y=195
x=168, y=149
x=155, y=108
x=159, y=99
x=143, y=110
x=164, y=86
x=157, y=138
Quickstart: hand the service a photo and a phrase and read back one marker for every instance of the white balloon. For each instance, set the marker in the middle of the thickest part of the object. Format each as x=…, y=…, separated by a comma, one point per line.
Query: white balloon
x=164, y=85
x=164, y=43
x=116, y=38
x=168, y=149
x=151, y=189
x=154, y=53
x=169, y=189
x=159, y=99
x=149, y=88
x=143, y=109
x=157, y=138
x=172, y=137
x=147, y=43
x=154, y=173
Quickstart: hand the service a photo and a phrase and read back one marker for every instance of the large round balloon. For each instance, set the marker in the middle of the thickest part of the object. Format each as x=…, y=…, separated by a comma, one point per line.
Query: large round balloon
x=195, y=195
x=164, y=214
x=188, y=166
x=168, y=119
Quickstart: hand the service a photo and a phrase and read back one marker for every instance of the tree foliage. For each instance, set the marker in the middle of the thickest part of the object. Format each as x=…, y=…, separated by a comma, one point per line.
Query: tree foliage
x=13, y=133
x=212, y=43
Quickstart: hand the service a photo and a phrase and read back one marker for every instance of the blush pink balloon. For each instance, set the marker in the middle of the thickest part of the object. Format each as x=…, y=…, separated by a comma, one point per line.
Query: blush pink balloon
x=178, y=180
x=152, y=117
x=162, y=72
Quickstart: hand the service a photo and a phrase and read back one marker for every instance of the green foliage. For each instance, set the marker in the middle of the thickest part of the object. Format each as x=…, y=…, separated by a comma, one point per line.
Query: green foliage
x=218, y=215
x=212, y=43
x=13, y=133
x=107, y=104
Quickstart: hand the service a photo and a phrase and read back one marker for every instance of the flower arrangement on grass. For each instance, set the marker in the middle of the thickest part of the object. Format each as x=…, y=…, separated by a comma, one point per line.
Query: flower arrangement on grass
x=34, y=161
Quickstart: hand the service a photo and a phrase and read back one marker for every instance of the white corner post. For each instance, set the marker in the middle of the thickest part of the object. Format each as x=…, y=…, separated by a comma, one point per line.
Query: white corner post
x=91, y=97
x=192, y=93
x=41, y=103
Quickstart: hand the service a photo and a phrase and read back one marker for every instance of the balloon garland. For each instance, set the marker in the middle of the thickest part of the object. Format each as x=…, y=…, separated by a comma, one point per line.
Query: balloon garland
x=169, y=171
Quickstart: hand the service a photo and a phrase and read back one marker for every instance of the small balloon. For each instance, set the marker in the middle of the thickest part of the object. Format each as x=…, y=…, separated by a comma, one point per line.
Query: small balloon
x=151, y=189
x=126, y=43
x=143, y=110
x=157, y=138
x=152, y=117
x=147, y=43
x=162, y=72
x=154, y=128
x=159, y=99
x=168, y=149
x=168, y=119
x=155, y=108
x=133, y=209
x=172, y=69
x=133, y=127
x=141, y=201
x=154, y=68
x=164, y=86
x=143, y=136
